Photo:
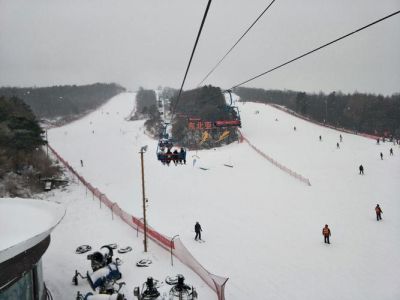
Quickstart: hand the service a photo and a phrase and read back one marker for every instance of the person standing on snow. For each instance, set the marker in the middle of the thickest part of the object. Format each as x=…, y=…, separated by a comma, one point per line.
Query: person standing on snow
x=381, y=154
x=198, y=230
x=378, y=211
x=320, y=138
x=81, y=163
x=182, y=156
x=326, y=232
x=341, y=138
x=337, y=145
x=361, y=168
x=391, y=151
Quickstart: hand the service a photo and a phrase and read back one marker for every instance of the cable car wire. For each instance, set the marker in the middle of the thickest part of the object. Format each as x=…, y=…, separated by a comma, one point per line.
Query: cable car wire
x=314, y=50
x=191, y=57
x=237, y=42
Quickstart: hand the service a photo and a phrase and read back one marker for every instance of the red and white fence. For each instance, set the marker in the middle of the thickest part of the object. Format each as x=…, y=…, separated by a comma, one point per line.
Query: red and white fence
x=276, y=163
x=177, y=248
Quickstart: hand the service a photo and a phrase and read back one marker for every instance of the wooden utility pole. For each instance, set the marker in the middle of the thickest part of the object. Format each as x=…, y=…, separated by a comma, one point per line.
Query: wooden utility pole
x=144, y=202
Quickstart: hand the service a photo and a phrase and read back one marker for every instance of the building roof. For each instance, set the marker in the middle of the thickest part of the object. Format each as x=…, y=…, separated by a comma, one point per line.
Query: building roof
x=25, y=223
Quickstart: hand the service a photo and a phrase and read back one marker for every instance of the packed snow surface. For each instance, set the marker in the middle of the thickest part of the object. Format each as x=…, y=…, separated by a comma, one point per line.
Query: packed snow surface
x=262, y=227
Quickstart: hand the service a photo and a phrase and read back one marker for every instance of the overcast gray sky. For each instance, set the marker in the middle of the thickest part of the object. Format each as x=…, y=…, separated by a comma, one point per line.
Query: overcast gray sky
x=148, y=43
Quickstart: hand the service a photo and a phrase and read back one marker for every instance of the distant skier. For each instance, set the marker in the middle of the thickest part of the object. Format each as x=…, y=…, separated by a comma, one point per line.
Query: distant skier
x=341, y=138
x=175, y=157
x=377, y=141
x=81, y=163
x=337, y=145
x=391, y=151
x=378, y=211
x=294, y=128
x=361, y=168
x=198, y=230
x=182, y=156
x=168, y=156
x=381, y=154
x=326, y=232
x=320, y=138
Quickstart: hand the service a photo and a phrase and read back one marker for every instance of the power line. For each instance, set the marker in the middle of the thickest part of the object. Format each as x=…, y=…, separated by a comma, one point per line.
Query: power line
x=191, y=57
x=237, y=42
x=316, y=49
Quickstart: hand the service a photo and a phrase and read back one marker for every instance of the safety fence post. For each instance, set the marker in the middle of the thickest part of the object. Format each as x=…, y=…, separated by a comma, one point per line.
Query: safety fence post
x=172, y=246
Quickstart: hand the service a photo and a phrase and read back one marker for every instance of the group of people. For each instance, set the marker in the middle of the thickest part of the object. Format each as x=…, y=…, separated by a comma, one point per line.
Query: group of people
x=391, y=139
x=326, y=232
x=390, y=153
x=176, y=157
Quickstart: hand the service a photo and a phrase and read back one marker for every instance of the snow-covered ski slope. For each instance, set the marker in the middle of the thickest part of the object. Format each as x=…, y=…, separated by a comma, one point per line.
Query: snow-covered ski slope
x=262, y=227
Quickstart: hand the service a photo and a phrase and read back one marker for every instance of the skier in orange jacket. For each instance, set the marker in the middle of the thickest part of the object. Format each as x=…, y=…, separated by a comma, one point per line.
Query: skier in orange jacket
x=326, y=232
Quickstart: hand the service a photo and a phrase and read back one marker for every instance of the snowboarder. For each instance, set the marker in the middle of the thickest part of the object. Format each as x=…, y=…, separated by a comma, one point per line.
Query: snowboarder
x=391, y=151
x=320, y=138
x=337, y=145
x=326, y=232
x=361, y=168
x=378, y=211
x=81, y=163
x=341, y=138
x=198, y=230
x=381, y=154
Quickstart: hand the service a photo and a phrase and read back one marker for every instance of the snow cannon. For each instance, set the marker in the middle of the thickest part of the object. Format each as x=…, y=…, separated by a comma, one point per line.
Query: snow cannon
x=90, y=296
x=102, y=258
x=182, y=291
x=104, y=278
x=149, y=290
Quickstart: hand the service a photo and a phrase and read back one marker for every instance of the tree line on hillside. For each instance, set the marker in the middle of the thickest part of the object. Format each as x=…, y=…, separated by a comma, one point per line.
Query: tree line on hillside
x=147, y=108
x=22, y=160
x=369, y=113
x=64, y=101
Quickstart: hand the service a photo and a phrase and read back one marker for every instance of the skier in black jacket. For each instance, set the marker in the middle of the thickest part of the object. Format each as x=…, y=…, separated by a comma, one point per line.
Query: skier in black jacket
x=198, y=230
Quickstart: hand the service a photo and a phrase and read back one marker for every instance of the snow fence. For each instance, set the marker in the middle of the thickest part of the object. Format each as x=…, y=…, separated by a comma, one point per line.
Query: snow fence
x=276, y=163
x=175, y=246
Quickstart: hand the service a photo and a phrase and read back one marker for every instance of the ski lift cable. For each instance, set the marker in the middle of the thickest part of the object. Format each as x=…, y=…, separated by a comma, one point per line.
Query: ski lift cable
x=191, y=57
x=315, y=50
x=308, y=53
x=237, y=42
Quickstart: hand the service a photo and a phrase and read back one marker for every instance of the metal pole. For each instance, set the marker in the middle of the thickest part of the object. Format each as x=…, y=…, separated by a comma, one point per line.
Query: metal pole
x=137, y=228
x=172, y=240
x=101, y=195
x=144, y=204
